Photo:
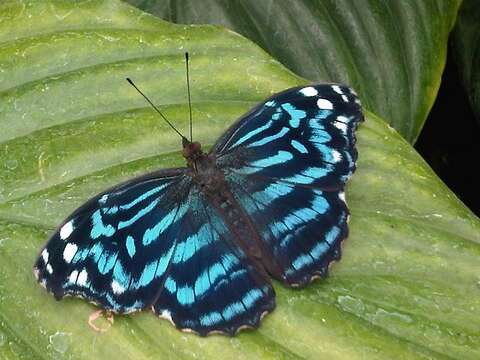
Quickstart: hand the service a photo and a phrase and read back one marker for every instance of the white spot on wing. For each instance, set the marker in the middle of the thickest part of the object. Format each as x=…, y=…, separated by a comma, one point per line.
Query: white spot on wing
x=336, y=156
x=66, y=230
x=117, y=288
x=69, y=252
x=309, y=91
x=341, y=195
x=73, y=276
x=165, y=314
x=341, y=123
x=45, y=255
x=345, y=98
x=337, y=89
x=49, y=269
x=325, y=104
x=82, y=278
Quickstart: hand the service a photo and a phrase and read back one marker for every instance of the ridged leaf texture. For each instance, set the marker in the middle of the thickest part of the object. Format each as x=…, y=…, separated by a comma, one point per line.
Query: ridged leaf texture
x=70, y=126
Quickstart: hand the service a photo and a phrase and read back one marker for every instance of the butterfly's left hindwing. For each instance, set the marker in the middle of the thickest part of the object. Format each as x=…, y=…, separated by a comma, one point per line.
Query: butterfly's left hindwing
x=115, y=249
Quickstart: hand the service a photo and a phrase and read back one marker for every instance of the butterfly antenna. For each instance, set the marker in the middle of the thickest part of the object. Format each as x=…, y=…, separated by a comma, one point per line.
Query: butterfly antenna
x=156, y=109
x=189, y=98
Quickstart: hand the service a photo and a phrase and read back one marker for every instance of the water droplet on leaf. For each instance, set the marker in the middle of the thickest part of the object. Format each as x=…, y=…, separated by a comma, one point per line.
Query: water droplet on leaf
x=60, y=341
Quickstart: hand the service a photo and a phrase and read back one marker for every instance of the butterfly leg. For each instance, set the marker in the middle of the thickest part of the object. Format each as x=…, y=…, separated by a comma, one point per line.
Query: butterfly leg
x=97, y=314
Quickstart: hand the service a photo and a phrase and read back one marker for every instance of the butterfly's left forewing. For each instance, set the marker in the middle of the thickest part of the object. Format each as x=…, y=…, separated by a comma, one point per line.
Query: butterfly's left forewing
x=115, y=249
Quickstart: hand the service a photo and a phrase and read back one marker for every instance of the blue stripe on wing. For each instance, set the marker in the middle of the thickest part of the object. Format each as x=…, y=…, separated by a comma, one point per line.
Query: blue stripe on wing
x=115, y=250
x=211, y=285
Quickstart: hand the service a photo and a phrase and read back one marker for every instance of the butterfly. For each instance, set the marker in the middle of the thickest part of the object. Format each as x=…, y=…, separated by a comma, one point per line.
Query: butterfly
x=198, y=245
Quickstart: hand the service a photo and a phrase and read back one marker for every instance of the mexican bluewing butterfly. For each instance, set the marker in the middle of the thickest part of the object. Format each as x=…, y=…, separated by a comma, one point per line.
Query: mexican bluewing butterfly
x=199, y=244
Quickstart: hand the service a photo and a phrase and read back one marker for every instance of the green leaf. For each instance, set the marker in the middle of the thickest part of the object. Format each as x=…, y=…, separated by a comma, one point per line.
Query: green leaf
x=466, y=46
x=392, y=52
x=408, y=285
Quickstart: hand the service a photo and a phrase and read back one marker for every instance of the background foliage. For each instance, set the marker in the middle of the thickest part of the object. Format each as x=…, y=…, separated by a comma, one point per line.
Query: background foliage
x=391, y=52
x=70, y=126
x=466, y=41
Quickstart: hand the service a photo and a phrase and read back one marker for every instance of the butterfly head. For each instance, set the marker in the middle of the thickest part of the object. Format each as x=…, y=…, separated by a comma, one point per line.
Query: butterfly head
x=192, y=151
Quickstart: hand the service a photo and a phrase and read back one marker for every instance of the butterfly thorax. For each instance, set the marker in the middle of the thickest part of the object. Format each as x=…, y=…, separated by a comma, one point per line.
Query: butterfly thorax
x=203, y=170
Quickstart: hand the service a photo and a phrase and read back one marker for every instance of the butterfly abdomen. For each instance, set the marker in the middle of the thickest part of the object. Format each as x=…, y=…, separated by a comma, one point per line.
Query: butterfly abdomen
x=211, y=182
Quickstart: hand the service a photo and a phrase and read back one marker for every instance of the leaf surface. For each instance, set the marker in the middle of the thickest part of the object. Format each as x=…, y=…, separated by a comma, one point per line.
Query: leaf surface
x=70, y=126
